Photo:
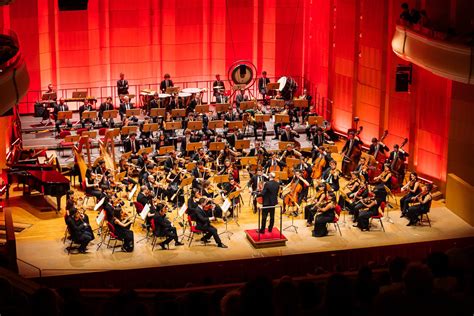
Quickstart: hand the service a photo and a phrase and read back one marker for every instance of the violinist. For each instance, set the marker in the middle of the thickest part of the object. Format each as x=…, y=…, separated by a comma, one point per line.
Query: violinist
x=228, y=188
x=370, y=208
x=233, y=137
x=229, y=168
x=412, y=188
x=226, y=154
x=260, y=152
x=312, y=206
x=200, y=156
x=422, y=205
x=92, y=184
x=351, y=153
x=101, y=168
x=164, y=228
x=122, y=223
x=157, y=189
x=326, y=214
x=385, y=178
x=331, y=176
x=203, y=224
x=355, y=204
x=162, y=142
x=124, y=166
x=200, y=174
x=170, y=161
x=362, y=168
x=255, y=186
x=306, y=172
x=351, y=189
x=174, y=178
x=211, y=194
x=295, y=194
x=274, y=164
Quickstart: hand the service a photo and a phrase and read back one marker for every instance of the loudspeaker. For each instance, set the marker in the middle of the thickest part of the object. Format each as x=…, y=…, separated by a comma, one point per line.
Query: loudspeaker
x=402, y=81
x=242, y=70
x=71, y=5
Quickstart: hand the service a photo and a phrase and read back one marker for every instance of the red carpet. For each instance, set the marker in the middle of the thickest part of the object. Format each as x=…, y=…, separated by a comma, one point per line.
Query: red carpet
x=273, y=239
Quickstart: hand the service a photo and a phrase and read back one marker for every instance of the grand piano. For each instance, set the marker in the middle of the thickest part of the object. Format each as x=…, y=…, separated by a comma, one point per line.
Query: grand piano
x=42, y=177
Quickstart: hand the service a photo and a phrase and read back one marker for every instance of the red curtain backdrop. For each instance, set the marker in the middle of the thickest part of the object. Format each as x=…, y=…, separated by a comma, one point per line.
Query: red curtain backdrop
x=192, y=40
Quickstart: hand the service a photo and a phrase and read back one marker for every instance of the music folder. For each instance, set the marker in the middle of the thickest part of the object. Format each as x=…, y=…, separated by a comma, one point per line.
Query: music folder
x=204, y=108
x=300, y=103
x=110, y=114
x=221, y=107
x=282, y=118
x=157, y=112
x=193, y=146
x=89, y=114
x=235, y=125
x=178, y=112
x=165, y=149
x=173, y=125
x=216, y=124
x=245, y=105
x=262, y=117
x=195, y=125
x=315, y=120
x=133, y=112
x=151, y=127
x=277, y=103
x=126, y=130
x=216, y=146
x=63, y=115
x=242, y=143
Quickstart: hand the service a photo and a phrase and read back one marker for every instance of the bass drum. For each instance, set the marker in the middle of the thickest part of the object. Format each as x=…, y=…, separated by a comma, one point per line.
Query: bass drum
x=287, y=87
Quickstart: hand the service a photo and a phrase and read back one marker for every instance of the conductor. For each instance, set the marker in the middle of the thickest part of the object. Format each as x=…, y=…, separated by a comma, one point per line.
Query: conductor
x=270, y=198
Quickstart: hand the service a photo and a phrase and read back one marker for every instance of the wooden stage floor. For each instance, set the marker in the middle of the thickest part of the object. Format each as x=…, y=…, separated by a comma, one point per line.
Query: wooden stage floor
x=40, y=246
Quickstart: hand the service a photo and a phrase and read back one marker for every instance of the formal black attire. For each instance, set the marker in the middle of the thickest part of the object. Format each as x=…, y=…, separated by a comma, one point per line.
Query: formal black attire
x=122, y=87
x=167, y=83
x=164, y=228
x=203, y=223
x=270, y=198
x=60, y=108
x=320, y=222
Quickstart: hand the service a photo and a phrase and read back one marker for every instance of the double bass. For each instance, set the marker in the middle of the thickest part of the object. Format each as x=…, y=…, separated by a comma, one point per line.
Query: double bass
x=398, y=164
x=353, y=158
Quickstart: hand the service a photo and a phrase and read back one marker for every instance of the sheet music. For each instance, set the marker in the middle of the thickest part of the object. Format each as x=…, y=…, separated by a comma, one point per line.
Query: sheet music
x=100, y=218
x=145, y=211
x=227, y=204
x=132, y=193
x=98, y=205
x=182, y=210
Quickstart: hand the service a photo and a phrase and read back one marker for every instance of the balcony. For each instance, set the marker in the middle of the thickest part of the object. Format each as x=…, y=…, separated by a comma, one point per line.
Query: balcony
x=444, y=58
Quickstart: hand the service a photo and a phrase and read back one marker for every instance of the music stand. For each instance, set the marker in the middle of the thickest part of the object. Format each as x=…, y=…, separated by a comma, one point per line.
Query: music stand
x=190, y=166
x=49, y=96
x=248, y=161
x=150, y=127
x=277, y=103
x=72, y=138
x=242, y=144
x=290, y=162
x=195, y=125
x=173, y=125
x=216, y=146
x=204, y=108
x=245, y=105
x=235, y=125
x=112, y=133
x=282, y=145
x=281, y=175
x=300, y=103
x=185, y=182
x=282, y=118
x=127, y=130
x=193, y=146
x=172, y=90
x=64, y=115
x=221, y=107
x=331, y=149
x=90, y=134
x=216, y=124
x=165, y=149
x=315, y=120
x=158, y=112
x=110, y=114
x=132, y=112
x=273, y=86
x=89, y=115
x=221, y=178
x=178, y=112
x=262, y=117
x=145, y=149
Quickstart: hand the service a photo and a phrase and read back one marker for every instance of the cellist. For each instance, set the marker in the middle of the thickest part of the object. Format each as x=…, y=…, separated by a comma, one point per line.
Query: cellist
x=351, y=153
x=274, y=164
x=295, y=195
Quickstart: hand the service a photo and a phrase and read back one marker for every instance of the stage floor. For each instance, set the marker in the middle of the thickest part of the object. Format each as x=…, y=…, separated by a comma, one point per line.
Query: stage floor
x=40, y=246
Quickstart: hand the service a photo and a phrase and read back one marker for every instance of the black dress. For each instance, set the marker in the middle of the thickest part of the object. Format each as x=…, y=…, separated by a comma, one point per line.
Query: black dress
x=320, y=222
x=126, y=234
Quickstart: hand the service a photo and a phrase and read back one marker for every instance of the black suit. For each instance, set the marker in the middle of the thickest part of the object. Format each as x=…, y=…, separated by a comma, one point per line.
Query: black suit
x=60, y=108
x=123, y=109
x=270, y=198
x=122, y=87
x=262, y=84
x=203, y=223
x=128, y=146
x=164, y=228
x=166, y=84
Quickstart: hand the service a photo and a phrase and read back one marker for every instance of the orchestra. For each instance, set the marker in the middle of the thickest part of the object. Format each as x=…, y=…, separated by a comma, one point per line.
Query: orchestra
x=184, y=176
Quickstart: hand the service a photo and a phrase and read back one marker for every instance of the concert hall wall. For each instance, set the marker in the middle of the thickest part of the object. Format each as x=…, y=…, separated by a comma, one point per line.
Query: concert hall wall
x=351, y=61
x=192, y=40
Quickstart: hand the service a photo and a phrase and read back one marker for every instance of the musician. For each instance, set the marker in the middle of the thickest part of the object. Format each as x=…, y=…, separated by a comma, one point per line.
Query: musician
x=412, y=188
x=305, y=111
x=262, y=84
x=226, y=154
x=92, y=184
x=61, y=107
x=277, y=126
x=122, y=223
x=210, y=193
x=155, y=103
x=325, y=216
x=354, y=205
x=200, y=174
x=85, y=107
x=240, y=97
x=122, y=85
x=106, y=106
x=319, y=138
x=258, y=125
x=146, y=136
x=352, y=187
x=166, y=83
x=331, y=176
x=315, y=203
x=320, y=159
x=362, y=168
x=227, y=188
x=397, y=160
x=124, y=106
x=125, y=167
x=351, y=152
x=79, y=229
x=131, y=144
x=230, y=169
x=174, y=178
x=218, y=87
x=370, y=208
x=297, y=180
x=203, y=223
x=164, y=228
x=101, y=168
x=289, y=135
x=377, y=147
x=274, y=164
x=270, y=199
x=234, y=136
x=290, y=152
x=200, y=156
x=385, y=178
x=255, y=186
x=423, y=205
x=260, y=152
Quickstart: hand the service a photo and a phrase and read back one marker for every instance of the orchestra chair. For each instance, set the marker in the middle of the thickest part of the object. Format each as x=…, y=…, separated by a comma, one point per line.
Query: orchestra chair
x=422, y=216
x=337, y=213
x=113, y=236
x=73, y=241
x=63, y=144
x=155, y=237
x=379, y=216
x=193, y=230
x=66, y=232
x=86, y=195
x=138, y=207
